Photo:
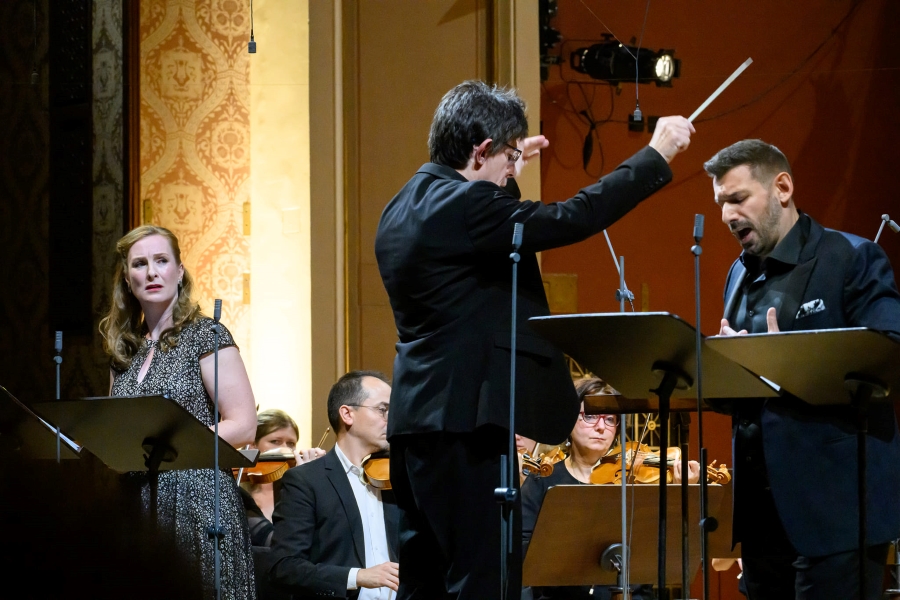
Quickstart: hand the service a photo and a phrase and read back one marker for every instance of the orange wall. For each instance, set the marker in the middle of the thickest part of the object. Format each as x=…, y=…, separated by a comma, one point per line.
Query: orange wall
x=834, y=115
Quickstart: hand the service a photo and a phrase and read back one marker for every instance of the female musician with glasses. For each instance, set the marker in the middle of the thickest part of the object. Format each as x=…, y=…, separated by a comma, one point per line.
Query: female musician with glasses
x=591, y=439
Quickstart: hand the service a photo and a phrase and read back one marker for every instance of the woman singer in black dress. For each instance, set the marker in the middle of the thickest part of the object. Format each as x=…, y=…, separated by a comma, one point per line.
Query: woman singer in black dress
x=159, y=342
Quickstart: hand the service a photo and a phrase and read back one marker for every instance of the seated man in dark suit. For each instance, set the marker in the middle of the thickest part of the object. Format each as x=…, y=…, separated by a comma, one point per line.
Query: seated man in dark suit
x=798, y=526
x=334, y=535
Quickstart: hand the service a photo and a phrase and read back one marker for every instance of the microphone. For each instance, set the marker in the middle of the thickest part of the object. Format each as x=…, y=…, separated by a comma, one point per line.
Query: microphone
x=518, y=230
x=217, y=311
x=886, y=220
x=698, y=228
x=58, y=345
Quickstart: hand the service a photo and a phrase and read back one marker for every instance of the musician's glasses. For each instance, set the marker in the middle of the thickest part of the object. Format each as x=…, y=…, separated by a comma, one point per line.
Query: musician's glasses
x=381, y=409
x=608, y=420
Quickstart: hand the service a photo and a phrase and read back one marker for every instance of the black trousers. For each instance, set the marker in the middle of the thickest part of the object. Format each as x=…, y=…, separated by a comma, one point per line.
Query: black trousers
x=774, y=570
x=450, y=523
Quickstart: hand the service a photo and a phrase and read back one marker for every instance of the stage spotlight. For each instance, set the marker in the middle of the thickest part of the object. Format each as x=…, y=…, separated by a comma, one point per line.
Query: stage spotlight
x=614, y=62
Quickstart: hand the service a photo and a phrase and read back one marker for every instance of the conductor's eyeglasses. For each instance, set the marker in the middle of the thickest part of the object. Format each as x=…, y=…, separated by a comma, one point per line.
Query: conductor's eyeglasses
x=608, y=420
x=516, y=153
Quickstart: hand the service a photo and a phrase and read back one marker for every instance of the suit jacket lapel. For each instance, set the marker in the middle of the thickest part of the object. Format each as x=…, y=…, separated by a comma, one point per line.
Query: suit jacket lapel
x=794, y=294
x=732, y=293
x=796, y=288
x=338, y=478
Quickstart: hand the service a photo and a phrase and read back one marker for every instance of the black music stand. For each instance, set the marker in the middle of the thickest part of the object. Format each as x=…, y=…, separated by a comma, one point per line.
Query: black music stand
x=577, y=535
x=26, y=435
x=851, y=366
x=649, y=353
x=138, y=433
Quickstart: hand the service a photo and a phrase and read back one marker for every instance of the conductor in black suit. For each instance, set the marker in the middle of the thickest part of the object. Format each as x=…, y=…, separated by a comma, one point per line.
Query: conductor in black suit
x=443, y=247
x=798, y=525
x=334, y=535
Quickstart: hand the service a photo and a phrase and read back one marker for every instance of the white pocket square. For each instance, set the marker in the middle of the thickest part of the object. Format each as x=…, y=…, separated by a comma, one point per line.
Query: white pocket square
x=810, y=308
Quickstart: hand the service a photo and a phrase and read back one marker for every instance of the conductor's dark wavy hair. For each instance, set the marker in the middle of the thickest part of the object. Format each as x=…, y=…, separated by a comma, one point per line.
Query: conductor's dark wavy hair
x=123, y=327
x=765, y=160
x=470, y=113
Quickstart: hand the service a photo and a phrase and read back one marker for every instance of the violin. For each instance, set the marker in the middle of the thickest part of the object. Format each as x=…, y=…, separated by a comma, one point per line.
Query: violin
x=642, y=465
x=376, y=470
x=270, y=467
x=543, y=464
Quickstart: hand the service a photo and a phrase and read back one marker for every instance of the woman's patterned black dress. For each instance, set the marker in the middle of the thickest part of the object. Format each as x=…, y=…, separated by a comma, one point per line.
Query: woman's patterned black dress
x=185, y=498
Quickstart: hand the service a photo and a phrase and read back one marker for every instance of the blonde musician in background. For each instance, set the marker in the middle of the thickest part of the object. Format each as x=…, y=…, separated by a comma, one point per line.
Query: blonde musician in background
x=276, y=432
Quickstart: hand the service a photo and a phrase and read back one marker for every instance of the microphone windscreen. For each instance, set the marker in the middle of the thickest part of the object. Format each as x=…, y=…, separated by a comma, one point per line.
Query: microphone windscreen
x=518, y=230
x=58, y=344
x=698, y=227
x=217, y=311
x=893, y=225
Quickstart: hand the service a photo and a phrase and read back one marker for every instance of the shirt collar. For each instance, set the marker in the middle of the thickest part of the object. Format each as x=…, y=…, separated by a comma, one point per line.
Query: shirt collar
x=345, y=462
x=787, y=251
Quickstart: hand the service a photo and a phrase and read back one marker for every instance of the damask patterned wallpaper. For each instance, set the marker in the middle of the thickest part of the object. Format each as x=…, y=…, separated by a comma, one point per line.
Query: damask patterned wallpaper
x=195, y=142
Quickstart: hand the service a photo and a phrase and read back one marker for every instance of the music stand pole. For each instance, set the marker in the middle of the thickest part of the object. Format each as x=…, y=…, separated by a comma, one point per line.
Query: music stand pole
x=623, y=294
x=58, y=360
x=706, y=524
x=506, y=494
x=215, y=531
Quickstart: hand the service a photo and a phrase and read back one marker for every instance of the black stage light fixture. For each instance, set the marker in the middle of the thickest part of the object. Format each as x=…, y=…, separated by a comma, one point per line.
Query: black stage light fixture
x=614, y=62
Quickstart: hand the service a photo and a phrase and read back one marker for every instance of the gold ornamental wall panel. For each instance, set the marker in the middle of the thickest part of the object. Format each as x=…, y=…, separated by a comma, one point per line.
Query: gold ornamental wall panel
x=195, y=141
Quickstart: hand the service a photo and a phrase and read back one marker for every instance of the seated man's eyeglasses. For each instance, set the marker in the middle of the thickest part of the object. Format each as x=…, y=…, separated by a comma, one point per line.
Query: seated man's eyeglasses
x=608, y=420
x=381, y=409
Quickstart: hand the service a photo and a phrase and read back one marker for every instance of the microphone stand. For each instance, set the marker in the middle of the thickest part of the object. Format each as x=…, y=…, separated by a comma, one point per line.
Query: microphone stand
x=58, y=360
x=215, y=532
x=885, y=219
x=623, y=294
x=507, y=494
x=707, y=524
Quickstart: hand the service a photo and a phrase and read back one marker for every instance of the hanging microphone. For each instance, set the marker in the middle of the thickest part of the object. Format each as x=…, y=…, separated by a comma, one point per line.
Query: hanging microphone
x=698, y=228
x=885, y=219
x=217, y=311
x=518, y=229
x=251, y=45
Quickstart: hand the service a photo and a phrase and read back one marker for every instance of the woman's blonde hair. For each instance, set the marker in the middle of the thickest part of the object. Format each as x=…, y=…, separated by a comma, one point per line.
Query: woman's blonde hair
x=123, y=326
x=271, y=420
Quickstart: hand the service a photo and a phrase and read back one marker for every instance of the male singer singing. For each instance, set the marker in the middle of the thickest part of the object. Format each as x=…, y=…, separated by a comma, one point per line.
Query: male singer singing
x=798, y=526
x=443, y=247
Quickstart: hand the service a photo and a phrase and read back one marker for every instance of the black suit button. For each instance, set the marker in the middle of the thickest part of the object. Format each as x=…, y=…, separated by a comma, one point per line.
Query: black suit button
x=749, y=459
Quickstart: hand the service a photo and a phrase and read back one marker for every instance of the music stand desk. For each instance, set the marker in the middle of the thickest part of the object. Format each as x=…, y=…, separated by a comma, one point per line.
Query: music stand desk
x=625, y=348
x=25, y=434
x=812, y=365
x=577, y=523
x=120, y=430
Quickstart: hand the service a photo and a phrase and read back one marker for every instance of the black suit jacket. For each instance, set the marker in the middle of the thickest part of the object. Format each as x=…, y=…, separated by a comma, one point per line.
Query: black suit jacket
x=841, y=280
x=443, y=247
x=319, y=533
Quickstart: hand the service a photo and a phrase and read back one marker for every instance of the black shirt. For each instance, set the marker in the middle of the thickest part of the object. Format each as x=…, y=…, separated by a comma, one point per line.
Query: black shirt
x=766, y=281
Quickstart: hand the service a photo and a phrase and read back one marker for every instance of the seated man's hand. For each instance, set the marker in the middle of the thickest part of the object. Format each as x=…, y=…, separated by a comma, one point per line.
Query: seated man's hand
x=725, y=329
x=384, y=575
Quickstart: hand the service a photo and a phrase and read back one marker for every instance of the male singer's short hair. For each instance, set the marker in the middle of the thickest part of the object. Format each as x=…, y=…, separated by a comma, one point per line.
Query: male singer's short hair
x=348, y=391
x=765, y=160
x=470, y=113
